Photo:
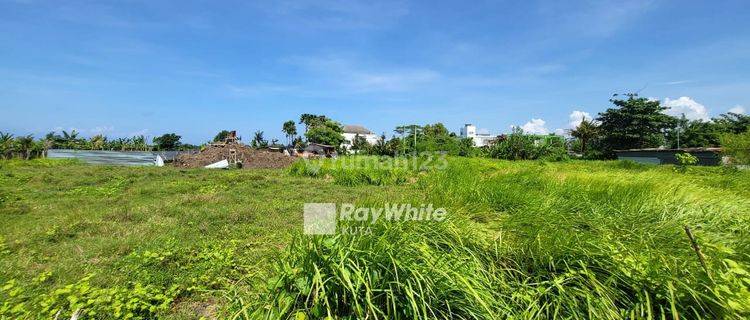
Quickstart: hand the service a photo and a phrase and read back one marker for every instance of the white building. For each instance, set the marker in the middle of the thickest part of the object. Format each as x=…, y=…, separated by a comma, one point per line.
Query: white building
x=480, y=139
x=351, y=131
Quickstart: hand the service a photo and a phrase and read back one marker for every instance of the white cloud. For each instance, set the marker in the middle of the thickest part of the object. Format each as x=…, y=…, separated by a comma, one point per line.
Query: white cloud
x=355, y=75
x=560, y=132
x=685, y=105
x=738, y=109
x=392, y=81
x=102, y=129
x=535, y=126
x=576, y=117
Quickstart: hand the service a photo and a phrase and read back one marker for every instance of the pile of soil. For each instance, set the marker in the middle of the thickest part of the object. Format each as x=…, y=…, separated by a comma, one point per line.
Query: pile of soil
x=249, y=157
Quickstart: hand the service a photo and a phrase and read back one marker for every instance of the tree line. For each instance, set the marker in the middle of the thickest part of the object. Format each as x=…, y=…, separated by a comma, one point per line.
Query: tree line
x=27, y=147
x=632, y=122
x=636, y=123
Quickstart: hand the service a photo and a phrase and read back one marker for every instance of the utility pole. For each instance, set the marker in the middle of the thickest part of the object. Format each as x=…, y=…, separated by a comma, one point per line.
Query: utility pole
x=679, y=128
x=414, y=131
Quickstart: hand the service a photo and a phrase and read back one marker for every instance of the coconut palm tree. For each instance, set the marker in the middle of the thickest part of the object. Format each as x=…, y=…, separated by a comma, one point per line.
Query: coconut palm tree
x=71, y=140
x=50, y=140
x=6, y=145
x=98, y=142
x=290, y=130
x=139, y=143
x=25, y=145
x=586, y=131
x=120, y=144
x=39, y=148
x=258, y=140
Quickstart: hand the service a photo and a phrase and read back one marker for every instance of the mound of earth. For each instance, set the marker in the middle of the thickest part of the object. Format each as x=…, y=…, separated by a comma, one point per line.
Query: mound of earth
x=249, y=157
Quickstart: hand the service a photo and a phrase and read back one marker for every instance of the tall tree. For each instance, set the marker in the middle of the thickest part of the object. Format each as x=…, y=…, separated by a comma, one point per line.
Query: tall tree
x=25, y=144
x=359, y=143
x=311, y=120
x=50, y=141
x=71, y=140
x=221, y=136
x=258, y=140
x=380, y=147
x=98, y=142
x=586, y=131
x=732, y=122
x=737, y=147
x=139, y=143
x=693, y=133
x=167, y=141
x=6, y=145
x=290, y=130
x=633, y=123
x=329, y=132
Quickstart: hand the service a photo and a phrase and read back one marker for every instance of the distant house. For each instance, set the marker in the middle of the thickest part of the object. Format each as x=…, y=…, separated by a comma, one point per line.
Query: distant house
x=319, y=150
x=351, y=131
x=706, y=156
x=480, y=139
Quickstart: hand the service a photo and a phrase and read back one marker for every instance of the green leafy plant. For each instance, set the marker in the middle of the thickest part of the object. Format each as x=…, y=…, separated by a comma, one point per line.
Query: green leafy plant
x=684, y=160
x=737, y=147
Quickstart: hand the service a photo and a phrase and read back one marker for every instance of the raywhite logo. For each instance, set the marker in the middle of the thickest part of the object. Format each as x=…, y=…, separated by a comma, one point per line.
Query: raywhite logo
x=322, y=218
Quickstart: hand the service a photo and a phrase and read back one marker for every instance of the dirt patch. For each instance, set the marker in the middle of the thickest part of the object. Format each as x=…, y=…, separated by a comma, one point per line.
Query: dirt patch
x=249, y=157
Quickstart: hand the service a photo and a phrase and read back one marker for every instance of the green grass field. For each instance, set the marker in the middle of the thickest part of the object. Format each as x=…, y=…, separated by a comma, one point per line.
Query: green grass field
x=522, y=240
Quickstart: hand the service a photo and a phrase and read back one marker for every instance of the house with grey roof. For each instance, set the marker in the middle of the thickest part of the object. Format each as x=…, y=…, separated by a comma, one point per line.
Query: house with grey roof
x=351, y=132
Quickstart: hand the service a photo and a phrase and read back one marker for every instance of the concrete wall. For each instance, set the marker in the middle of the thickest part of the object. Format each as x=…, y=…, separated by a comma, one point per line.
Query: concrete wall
x=705, y=158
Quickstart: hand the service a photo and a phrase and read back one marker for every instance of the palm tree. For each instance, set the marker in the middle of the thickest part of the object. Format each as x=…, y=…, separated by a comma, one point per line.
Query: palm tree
x=311, y=120
x=139, y=143
x=6, y=145
x=25, y=145
x=49, y=142
x=586, y=131
x=71, y=140
x=290, y=129
x=98, y=142
x=400, y=130
x=127, y=144
x=258, y=140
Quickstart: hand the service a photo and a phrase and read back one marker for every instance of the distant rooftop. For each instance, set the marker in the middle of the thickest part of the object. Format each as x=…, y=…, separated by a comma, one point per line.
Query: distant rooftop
x=357, y=129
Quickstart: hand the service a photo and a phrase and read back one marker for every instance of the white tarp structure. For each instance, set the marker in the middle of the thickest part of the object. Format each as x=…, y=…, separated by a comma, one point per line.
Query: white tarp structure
x=107, y=157
x=159, y=161
x=223, y=164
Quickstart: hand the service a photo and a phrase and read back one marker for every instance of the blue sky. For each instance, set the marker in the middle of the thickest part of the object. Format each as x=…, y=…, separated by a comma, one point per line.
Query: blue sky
x=150, y=67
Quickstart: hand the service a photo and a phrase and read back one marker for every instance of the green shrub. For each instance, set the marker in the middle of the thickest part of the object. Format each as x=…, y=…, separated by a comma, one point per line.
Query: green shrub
x=132, y=302
x=737, y=146
x=592, y=240
x=367, y=170
x=407, y=271
x=686, y=159
x=520, y=146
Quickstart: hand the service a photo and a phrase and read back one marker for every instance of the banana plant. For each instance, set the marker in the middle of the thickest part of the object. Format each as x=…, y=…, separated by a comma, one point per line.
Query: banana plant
x=98, y=142
x=6, y=145
x=70, y=140
x=25, y=145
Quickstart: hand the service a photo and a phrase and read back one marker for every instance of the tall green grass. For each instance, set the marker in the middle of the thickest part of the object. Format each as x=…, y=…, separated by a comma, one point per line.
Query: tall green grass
x=580, y=240
x=367, y=170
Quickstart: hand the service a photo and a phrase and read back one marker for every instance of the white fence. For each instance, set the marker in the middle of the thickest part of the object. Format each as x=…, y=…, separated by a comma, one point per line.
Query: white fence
x=128, y=158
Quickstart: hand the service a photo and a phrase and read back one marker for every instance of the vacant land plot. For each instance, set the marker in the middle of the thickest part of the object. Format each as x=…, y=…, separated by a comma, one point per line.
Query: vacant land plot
x=522, y=239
